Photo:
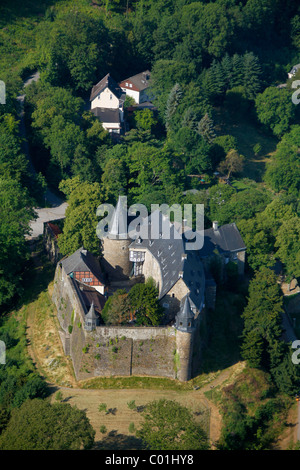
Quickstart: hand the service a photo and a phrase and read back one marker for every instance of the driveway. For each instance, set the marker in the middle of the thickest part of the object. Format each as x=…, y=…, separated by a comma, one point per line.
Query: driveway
x=58, y=209
x=46, y=215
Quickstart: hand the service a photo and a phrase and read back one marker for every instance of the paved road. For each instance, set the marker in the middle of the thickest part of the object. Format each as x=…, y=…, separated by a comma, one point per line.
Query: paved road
x=46, y=215
x=57, y=211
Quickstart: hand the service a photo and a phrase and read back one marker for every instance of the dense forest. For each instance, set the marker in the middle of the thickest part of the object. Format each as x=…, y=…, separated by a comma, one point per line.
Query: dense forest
x=221, y=117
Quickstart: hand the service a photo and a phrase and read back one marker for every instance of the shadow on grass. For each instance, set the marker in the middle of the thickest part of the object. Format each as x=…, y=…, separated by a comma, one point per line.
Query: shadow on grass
x=115, y=441
x=38, y=273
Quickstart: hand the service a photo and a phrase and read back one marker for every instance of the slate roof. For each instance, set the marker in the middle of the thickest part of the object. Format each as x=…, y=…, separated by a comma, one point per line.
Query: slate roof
x=89, y=295
x=91, y=315
x=185, y=308
x=295, y=69
x=80, y=261
x=225, y=239
x=140, y=80
x=174, y=262
x=109, y=82
x=108, y=115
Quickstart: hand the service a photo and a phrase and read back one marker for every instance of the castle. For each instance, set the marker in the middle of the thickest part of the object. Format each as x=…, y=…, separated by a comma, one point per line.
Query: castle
x=186, y=291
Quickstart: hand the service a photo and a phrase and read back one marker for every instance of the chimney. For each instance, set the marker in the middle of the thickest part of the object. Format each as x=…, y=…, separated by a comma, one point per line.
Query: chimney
x=215, y=225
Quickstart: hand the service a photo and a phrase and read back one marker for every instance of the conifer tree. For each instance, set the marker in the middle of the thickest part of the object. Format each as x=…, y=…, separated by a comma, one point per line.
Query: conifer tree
x=226, y=65
x=172, y=104
x=237, y=77
x=252, y=74
x=262, y=346
x=206, y=129
x=189, y=119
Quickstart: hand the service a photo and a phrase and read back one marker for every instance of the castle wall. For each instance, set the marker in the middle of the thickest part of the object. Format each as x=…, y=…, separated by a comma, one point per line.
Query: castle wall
x=121, y=351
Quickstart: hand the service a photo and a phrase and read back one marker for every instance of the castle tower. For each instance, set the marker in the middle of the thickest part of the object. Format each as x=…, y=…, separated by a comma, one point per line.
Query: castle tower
x=91, y=319
x=115, y=248
x=184, y=339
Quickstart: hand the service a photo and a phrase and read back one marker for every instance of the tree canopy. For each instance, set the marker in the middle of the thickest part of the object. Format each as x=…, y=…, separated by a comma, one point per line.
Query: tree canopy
x=38, y=425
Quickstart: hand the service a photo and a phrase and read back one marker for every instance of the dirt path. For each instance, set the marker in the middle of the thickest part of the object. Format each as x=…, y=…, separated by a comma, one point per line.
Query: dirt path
x=44, y=347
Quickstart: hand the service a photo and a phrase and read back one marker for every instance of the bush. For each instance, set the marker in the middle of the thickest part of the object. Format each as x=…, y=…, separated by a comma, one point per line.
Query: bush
x=131, y=428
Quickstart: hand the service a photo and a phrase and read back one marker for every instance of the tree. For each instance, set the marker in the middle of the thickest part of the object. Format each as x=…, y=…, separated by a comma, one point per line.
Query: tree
x=172, y=104
x=145, y=120
x=262, y=346
x=144, y=302
x=113, y=179
x=38, y=425
x=117, y=309
x=275, y=109
x=252, y=75
x=206, y=129
x=288, y=243
x=233, y=163
x=73, y=49
x=81, y=220
x=219, y=196
x=258, y=236
x=283, y=171
x=16, y=213
x=169, y=426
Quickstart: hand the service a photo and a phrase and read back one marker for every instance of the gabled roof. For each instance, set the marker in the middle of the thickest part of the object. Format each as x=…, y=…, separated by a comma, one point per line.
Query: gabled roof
x=89, y=295
x=109, y=82
x=225, y=238
x=81, y=261
x=295, y=69
x=107, y=115
x=55, y=230
x=140, y=81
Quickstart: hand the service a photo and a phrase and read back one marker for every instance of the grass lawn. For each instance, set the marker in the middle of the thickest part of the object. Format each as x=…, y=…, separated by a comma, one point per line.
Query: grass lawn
x=247, y=133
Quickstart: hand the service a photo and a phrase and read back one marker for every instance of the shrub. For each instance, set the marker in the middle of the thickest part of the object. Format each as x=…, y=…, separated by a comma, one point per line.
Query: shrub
x=131, y=428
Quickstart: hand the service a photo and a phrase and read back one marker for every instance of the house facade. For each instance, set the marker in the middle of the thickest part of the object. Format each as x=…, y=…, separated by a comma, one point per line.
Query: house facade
x=83, y=267
x=137, y=87
x=107, y=100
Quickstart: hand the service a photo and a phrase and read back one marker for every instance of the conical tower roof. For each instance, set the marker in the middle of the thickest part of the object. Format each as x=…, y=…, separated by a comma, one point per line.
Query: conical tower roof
x=91, y=315
x=118, y=227
x=185, y=310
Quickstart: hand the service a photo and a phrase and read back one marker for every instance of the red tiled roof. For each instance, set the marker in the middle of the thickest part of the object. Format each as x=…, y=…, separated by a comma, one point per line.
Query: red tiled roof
x=54, y=228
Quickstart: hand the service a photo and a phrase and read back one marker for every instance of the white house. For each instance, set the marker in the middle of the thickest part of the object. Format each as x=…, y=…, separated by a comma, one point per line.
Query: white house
x=107, y=100
x=136, y=87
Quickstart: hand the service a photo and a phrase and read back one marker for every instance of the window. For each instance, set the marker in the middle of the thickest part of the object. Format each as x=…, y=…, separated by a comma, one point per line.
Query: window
x=130, y=85
x=111, y=97
x=126, y=84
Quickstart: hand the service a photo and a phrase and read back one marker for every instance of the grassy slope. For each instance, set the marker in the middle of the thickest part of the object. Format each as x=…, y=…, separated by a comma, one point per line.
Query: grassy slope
x=247, y=133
